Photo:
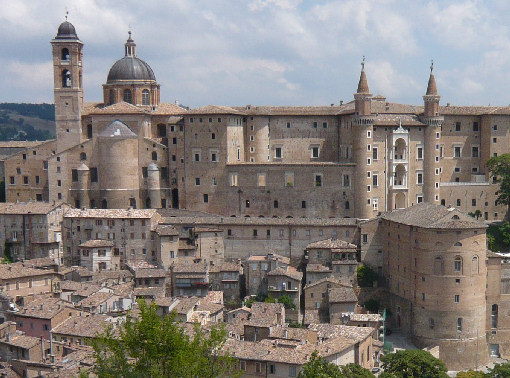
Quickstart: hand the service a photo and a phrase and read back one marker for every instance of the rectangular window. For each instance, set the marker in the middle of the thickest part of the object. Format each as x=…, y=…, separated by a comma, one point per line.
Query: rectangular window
x=375, y=179
x=213, y=156
x=292, y=371
x=233, y=179
x=473, y=202
x=457, y=126
x=475, y=126
x=315, y=125
x=318, y=179
x=25, y=180
x=459, y=324
x=419, y=199
x=457, y=151
x=288, y=125
x=419, y=178
x=255, y=233
x=289, y=179
x=419, y=153
x=261, y=179
x=375, y=203
x=456, y=298
x=12, y=180
x=247, y=203
x=374, y=153
x=346, y=182
x=474, y=152
x=206, y=198
x=278, y=152
x=196, y=155
x=197, y=181
x=303, y=204
x=315, y=152
x=93, y=174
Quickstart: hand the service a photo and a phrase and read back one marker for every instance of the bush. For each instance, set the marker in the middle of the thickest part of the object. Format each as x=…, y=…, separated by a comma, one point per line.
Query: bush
x=287, y=302
x=366, y=276
x=372, y=305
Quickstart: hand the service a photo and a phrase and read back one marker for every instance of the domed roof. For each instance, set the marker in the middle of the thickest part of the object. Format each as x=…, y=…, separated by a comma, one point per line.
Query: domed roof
x=117, y=129
x=130, y=68
x=66, y=30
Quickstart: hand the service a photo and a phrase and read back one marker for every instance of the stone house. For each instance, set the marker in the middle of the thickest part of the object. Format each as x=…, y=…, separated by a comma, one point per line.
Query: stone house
x=97, y=255
x=257, y=268
x=226, y=277
x=341, y=300
x=286, y=281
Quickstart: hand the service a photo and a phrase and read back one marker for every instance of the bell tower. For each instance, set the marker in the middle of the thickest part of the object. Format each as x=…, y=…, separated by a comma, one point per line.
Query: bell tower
x=432, y=138
x=363, y=128
x=67, y=85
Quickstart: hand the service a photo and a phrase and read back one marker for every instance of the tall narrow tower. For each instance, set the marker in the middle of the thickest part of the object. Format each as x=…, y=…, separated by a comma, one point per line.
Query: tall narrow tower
x=363, y=129
x=432, y=138
x=68, y=85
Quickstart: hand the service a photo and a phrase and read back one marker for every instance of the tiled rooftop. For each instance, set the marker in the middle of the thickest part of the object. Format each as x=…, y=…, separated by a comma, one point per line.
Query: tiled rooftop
x=28, y=207
x=331, y=244
x=96, y=244
x=110, y=213
x=83, y=326
x=342, y=295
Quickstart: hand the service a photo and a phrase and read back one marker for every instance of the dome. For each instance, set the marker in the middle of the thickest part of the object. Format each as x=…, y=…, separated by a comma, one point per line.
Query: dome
x=66, y=30
x=130, y=68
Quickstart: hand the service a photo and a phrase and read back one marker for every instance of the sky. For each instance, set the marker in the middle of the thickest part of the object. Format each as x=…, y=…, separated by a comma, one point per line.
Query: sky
x=268, y=52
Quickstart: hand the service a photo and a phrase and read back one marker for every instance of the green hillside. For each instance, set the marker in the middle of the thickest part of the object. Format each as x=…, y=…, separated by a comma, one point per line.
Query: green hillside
x=27, y=121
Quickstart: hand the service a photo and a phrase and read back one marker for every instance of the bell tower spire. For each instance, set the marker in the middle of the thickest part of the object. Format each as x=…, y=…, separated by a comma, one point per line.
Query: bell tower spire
x=362, y=97
x=130, y=46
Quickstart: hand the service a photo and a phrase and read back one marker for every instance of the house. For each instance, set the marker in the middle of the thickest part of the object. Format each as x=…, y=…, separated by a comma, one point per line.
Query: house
x=257, y=268
x=97, y=255
x=190, y=279
x=286, y=282
x=42, y=314
x=17, y=345
x=315, y=295
x=341, y=300
x=316, y=272
x=77, y=329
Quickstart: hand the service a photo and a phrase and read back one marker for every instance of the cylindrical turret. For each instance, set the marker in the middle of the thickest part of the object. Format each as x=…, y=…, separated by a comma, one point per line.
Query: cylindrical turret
x=153, y=185
x=83, y=182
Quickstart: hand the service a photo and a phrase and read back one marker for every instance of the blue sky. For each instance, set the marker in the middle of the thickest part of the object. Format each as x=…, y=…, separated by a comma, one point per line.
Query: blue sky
x=269, y=52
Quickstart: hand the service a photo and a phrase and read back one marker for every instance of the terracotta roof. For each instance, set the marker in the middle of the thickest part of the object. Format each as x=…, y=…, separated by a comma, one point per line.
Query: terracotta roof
x=270, y=256
x=69, y=285
x=167, y=108
x=364, y=317
x=18, y=270
x=105, y=275
x=330, y=331
x=117, y=108
x=87, y=289
x=166, y=230
x=266, y=311
x=123, y=290
x=428, y=215
x=110, y=213
x=215, y=296
x=209, y=306
x=96, y=244
x=148, y=273
x=207, y=229
x=293, y=110
x=156, y=292
x=21, y=143
x=330, y=280
x=184, y=245
x=215, y=109
x=41, y=262
x=83, y=326
x=397, y=119
x=342, y=295
x=95, y=299
x=331, y=244
x=190, y=268
x=43, y=307
x=288, y=271
x=311, y=316
x=317, y=268
x=185, y=305
x=28, y=207
x=22, y=341
x=225, y=267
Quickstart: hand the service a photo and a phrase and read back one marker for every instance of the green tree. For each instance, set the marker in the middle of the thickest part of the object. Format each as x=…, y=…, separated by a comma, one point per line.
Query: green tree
x=270, y=299
x=355, y=371
x=318, y=367
x=498, y=236
x=372, y=305
x=499, y=371
x=499, y=168
x=287, y=302
x=152, y=346
x=366, y=276
x=470, y=374
x=413, y=363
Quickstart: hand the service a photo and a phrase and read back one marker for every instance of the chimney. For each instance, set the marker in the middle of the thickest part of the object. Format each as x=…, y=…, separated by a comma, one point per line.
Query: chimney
x=341, y=102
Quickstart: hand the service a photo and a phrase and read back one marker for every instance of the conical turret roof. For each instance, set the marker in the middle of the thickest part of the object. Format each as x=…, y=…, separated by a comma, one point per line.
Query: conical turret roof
x=432, y=87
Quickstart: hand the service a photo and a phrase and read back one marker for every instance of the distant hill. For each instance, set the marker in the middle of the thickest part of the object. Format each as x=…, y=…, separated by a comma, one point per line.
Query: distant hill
x=27, y=121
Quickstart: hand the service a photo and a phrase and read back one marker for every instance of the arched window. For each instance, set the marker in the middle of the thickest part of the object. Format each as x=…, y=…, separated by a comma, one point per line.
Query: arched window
x=132, y=202
x=443, y=202
x=66, y=79
x=474, y=265
x=347, y=205
x=438, y=266
x=83, y=156
x=494, y=316
x=104, y=204
x=65, y=54
x=154, y=155
x=146, y=97
x=458, y=244
x=92, y=204
x=455, y=217
x=112, y=97
x=148, y=203
x=127, y=96
x=457, y=264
